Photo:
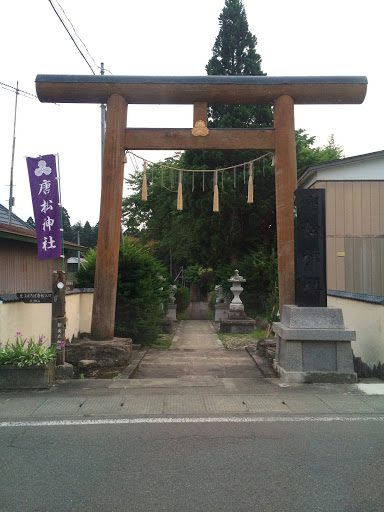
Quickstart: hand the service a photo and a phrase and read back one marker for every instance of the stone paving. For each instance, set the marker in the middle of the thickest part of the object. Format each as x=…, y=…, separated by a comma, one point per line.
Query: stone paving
x=197, y=351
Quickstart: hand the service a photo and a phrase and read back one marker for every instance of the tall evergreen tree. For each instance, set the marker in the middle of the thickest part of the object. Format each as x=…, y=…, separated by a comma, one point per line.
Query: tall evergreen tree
x=31, y=222
x=234, y=53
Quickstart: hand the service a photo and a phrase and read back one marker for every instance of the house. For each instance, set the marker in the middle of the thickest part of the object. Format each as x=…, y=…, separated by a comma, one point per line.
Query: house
x=20, y=270
x=354, y=199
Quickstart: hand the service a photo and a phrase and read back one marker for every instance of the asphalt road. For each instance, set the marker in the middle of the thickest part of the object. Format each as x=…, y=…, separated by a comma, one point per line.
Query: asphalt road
x=282, y=465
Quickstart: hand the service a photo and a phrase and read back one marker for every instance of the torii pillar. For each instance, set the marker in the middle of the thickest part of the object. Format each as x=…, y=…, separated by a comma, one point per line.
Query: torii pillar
x=119, y=91
x=108, y=240
x=285, y=185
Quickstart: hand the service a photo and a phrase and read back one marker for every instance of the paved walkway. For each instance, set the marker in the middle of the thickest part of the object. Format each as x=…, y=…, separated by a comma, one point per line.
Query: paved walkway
x=197, y=351
x=196, y=378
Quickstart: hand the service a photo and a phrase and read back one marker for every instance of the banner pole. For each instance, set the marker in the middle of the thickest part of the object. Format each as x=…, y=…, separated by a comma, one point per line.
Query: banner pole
x=61, y=211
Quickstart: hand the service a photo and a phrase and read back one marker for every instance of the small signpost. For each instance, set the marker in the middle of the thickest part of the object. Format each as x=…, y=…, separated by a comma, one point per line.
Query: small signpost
x=58, y=314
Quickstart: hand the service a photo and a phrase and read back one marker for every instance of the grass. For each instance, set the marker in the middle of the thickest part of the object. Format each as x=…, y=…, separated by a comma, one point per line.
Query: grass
x=163, y=342
x=236, y=341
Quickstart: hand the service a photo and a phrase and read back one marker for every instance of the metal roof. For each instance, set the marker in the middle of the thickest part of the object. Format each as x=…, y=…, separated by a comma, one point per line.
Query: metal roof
x=335, y=163
x=15, y=220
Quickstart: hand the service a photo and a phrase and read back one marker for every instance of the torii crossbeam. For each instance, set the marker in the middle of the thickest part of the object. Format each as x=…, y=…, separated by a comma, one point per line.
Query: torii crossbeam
x=119, y=91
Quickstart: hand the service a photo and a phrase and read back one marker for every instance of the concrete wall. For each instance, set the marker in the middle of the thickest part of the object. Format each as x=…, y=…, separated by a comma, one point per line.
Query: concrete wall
x=79, y=313
x=35, y=319
x=367, y=319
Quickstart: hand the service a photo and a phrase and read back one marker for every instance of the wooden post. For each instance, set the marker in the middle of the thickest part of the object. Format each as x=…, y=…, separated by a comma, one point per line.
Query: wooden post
x=286, y=184
x=200, y=112
x=104, y=299
x=58, y=323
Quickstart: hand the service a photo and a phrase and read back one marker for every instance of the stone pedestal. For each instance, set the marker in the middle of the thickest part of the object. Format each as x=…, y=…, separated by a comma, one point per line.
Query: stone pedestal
x=114, y=352
x=314, y=346
x=234, y=326
x=171, y=314
x=221, y=312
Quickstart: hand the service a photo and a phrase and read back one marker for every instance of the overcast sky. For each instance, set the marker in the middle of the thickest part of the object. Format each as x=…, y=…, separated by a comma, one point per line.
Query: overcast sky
x=171, y=37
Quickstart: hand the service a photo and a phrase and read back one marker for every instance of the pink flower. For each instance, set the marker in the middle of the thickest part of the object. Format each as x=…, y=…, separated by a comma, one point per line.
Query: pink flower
x=18, y=334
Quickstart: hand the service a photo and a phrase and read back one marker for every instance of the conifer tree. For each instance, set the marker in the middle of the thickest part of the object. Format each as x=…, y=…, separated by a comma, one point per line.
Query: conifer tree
x=234, y=53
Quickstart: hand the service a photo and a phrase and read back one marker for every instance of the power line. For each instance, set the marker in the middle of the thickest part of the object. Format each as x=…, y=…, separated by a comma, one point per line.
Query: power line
x=19, y=91
x=77, y=35
x=70, y=35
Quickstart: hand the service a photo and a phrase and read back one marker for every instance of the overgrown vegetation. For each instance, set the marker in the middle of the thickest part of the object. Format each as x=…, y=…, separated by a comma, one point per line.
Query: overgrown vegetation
x=142, y=290
x=239, y=341
x=182, y=299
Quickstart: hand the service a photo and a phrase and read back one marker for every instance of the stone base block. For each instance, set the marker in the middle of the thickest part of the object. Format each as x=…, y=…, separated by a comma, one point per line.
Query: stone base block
x=64, y=371
x=171, y=314
x=237, y=314
x=238, y=326
x=166, y=326
x=115, y=352
x=315, y=377
x=314, y=346
x=221, y=312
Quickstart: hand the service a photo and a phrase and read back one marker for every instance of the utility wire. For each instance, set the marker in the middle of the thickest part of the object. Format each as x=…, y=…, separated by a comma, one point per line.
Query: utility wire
x=70, y=35
x=24, y=93
x=77, y=35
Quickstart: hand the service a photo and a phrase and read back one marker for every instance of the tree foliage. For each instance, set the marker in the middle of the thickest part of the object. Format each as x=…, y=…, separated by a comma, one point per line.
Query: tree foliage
x=241, y=235
x=142, y=290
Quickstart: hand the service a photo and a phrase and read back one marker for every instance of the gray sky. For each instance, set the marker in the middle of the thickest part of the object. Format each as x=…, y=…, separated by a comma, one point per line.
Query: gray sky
x=171, y=37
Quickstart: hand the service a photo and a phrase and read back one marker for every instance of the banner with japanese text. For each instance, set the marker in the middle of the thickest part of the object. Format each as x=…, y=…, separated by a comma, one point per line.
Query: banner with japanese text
x=45, y=199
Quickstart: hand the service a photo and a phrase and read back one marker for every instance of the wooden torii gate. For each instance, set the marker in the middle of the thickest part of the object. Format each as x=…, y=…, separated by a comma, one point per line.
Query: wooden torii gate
x=119, y=91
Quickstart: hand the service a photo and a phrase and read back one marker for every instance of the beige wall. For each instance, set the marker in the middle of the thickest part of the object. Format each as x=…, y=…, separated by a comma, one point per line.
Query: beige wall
x=35, y=319
x=368, y=321
x=79, y=314
x=31, y=320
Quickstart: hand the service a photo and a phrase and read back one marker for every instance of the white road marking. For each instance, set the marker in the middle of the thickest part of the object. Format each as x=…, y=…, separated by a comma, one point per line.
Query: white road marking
x=230, y=419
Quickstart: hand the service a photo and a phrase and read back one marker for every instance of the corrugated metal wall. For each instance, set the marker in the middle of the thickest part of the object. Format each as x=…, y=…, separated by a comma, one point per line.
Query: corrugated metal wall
x=20, y=271
x=355, y=235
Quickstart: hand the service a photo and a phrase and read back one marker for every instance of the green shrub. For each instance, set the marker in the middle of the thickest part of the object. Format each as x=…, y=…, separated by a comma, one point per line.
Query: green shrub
x=182, y=298
x=142, y=288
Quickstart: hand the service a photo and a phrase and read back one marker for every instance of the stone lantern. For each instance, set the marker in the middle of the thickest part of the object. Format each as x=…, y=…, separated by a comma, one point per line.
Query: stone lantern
x=236, y=307
x=237, y=321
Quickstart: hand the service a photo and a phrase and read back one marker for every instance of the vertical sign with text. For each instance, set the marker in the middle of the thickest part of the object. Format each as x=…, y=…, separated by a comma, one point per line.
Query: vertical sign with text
x=45, y=198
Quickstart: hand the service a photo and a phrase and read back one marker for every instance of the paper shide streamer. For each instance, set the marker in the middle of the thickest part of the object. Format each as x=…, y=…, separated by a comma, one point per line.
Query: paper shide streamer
x=179, y=202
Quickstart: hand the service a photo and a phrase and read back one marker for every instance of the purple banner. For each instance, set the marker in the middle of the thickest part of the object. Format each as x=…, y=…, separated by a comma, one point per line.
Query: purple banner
x=45, y=200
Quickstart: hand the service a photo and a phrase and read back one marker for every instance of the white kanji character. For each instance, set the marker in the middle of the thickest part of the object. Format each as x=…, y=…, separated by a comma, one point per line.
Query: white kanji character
x=48, y=244
x=45, y=187
x=48, y=223
x=47, y=205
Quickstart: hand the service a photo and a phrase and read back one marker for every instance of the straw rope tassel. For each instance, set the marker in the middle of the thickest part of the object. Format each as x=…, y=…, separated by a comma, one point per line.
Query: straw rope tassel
x=180, y=192
x=144, y=185
x=250, y=184
x=215, y=194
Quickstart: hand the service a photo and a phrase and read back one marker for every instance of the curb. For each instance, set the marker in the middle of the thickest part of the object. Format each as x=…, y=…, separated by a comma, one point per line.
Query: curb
x=133, y=364
x=260, y=363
